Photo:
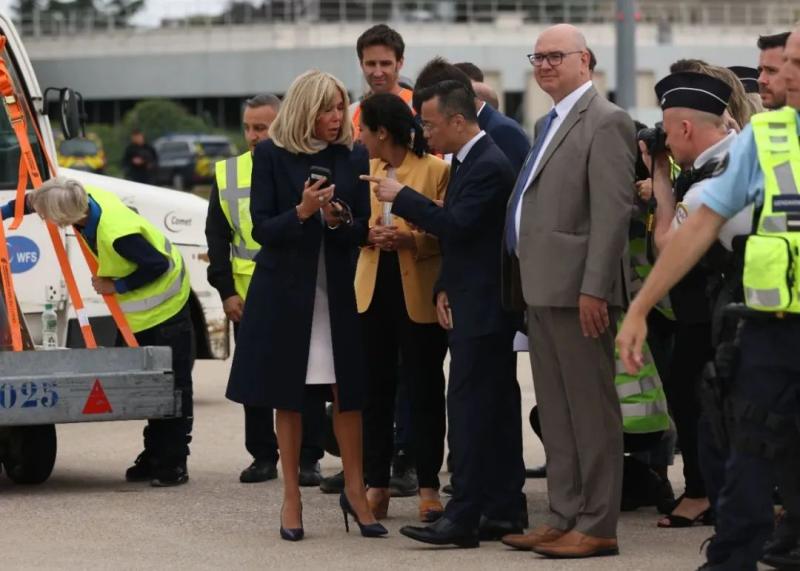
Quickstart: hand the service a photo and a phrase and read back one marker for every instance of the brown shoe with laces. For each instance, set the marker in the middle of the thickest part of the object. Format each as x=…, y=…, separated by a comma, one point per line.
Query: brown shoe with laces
x=527, y=541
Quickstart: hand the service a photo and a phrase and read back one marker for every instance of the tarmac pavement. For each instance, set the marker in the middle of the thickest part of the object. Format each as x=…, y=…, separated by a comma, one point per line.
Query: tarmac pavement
x=87, y=517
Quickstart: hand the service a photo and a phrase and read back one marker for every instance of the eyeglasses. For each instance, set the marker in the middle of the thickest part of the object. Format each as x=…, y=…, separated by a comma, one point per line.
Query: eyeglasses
x=428, y=127
x=553, y=58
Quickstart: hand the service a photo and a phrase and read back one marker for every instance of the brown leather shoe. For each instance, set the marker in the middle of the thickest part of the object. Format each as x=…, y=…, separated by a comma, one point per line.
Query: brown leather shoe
x=576, y=544
x=527, y=541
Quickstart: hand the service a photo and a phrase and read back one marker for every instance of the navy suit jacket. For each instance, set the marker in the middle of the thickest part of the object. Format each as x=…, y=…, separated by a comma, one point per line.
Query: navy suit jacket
x=507, y=134
x=470, y=231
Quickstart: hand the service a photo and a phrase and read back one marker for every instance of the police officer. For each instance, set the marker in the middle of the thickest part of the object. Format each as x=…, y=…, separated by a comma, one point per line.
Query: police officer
x=763, y=168
x=693, y=105
x=231, y=250
x=146, y=273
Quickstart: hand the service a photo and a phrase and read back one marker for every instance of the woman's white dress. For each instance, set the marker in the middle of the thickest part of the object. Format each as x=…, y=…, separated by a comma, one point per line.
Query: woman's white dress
x=320, y=369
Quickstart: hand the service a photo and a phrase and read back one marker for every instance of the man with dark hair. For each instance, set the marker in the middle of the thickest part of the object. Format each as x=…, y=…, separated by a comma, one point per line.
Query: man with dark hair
x=771, y=86
x=506, y=133
x=482, y=394
x=473, y=71
x=380, y=54
x=231, y=250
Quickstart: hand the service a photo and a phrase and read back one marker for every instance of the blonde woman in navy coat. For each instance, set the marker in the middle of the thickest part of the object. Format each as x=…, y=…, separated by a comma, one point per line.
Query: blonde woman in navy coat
x=300, y=333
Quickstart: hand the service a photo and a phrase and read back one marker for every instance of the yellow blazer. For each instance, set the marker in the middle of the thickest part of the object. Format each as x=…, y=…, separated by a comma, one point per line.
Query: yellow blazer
x=427, y=175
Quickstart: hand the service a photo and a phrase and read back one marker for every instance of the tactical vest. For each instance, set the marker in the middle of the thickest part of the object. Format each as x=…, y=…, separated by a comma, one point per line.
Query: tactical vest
x=641, y=397
x=772, y=255
x=233, y=182
x=157, y=301
x=692, y=296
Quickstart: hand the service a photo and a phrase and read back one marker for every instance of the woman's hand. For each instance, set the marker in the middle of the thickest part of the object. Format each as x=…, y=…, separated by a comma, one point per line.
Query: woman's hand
x=314, y=198
x=331, y=211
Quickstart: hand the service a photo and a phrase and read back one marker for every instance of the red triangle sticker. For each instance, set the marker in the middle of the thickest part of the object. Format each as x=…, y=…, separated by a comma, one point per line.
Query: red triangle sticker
x=97, y=403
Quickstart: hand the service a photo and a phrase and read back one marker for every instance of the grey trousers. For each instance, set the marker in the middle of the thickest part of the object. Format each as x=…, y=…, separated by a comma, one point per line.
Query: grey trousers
x=581, y=420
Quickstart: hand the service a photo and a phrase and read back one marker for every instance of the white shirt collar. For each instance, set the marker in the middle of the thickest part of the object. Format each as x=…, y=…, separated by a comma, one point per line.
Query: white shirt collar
x=481, y=108
x=718, y=148
x=564, y=106
x=464, y=151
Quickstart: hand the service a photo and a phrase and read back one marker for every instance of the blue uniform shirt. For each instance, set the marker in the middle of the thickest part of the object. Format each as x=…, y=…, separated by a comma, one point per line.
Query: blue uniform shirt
x=742, y=183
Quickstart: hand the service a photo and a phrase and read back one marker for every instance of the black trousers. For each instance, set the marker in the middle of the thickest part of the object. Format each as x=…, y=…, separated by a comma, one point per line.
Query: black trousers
x=691, y=353
x=391, y=336
x=259, y=429
x=763, y=452
x=483, y=408
x=166, y=440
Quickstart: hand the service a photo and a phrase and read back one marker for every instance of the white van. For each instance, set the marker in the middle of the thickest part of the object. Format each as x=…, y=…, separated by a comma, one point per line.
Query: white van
x=37, y=276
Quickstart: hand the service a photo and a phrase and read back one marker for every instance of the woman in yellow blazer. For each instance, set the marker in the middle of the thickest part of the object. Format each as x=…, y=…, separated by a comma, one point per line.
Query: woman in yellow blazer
x=394, y=290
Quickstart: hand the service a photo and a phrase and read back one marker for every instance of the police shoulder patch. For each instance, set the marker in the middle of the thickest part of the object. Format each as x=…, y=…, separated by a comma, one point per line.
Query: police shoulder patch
x=722, y=165
x=681, y=212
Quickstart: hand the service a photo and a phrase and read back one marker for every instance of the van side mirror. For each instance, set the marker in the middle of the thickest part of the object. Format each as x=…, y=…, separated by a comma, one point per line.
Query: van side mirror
x=70, y=111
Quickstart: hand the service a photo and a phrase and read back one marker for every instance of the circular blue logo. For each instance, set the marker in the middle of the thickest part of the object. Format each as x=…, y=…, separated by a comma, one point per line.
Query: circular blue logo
x=24, y=253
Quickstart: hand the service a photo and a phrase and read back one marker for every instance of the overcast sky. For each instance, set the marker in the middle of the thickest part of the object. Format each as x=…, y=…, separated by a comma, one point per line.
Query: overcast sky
x=157, y=9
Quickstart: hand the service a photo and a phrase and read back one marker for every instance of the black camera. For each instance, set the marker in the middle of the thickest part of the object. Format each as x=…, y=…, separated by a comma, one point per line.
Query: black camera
x=655, y=139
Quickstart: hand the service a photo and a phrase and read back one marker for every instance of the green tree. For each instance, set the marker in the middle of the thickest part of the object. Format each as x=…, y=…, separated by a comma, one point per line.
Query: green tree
x=157, y=117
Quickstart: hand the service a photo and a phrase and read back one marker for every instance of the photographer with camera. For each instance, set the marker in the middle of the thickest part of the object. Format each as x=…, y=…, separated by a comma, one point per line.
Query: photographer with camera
x=694, y=135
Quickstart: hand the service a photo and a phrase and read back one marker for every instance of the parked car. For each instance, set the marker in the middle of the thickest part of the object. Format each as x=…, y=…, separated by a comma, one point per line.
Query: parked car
x=186, y=160
x=82, y=154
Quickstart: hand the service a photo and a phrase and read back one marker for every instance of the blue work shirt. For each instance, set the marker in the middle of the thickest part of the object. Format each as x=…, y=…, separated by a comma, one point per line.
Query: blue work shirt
x=742, y=182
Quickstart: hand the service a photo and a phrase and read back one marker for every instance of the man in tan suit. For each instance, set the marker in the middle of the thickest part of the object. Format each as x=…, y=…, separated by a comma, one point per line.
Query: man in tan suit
x=565, y=237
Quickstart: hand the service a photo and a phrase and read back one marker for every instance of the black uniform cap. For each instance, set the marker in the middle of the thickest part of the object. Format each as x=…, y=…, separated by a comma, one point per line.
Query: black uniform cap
x=748, y=76
x=694, y=91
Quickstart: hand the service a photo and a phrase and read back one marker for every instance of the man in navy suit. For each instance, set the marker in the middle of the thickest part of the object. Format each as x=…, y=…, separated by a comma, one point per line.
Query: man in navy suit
x=482, y=394
x=505, y=132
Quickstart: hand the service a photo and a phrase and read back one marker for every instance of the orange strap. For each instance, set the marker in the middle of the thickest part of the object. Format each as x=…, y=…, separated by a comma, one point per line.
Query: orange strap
x=8, y=293
x=111, y=301
x=29, y=169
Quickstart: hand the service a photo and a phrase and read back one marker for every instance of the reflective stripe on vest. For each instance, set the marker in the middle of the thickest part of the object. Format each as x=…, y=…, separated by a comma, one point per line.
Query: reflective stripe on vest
x=635, y=387
x=154, y=302
x=642, y=400
x=771, y=277
x=643, y=409
x=233, y=182
x=174, y=288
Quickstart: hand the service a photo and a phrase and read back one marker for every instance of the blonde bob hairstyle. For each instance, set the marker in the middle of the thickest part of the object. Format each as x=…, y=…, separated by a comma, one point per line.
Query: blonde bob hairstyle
x=310, y=94
x=61, y=200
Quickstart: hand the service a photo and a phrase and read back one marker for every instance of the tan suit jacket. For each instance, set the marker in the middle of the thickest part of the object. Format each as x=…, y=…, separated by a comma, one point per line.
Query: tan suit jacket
x=575, y=213
x=427, y=175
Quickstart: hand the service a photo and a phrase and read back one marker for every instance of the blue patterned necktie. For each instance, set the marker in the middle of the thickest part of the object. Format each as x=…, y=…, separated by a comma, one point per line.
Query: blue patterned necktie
x=522, y=180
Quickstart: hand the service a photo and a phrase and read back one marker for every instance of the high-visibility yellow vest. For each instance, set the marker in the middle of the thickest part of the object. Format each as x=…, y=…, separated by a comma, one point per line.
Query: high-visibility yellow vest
x=772, y=255
x=641, y=397
x=153, y=303
x=233, y=182
x=642, y=267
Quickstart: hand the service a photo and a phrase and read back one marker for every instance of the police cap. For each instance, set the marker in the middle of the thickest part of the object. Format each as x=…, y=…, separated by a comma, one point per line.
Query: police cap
x=748, y=76
x=693, y=91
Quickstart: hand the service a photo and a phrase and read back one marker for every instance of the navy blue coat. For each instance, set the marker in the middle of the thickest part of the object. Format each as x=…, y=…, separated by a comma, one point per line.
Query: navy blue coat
x=269, y=365
x=507, y=134
x=470, y=232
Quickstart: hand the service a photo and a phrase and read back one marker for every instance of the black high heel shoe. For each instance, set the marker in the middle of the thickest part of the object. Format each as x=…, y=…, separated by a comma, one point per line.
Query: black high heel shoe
x=293, y=534
x=368, y=530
